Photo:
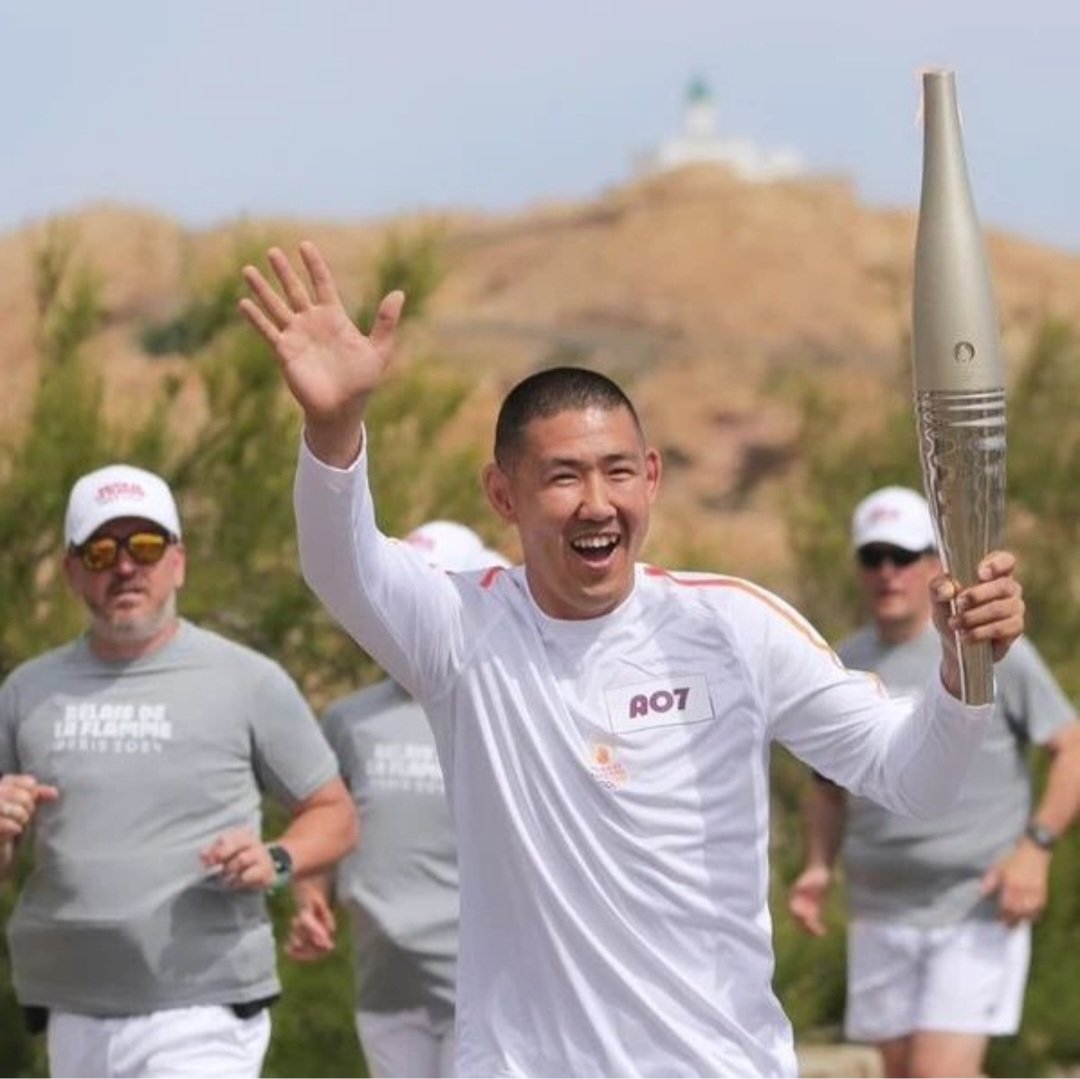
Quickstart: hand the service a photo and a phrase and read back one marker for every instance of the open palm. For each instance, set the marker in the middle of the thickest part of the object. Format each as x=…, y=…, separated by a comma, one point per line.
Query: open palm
x=330, y=367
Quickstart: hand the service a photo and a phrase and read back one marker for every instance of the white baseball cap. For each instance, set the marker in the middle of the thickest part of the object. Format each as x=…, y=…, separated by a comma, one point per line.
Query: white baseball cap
x=453, y=547
x=118, y=491
x=893, y=515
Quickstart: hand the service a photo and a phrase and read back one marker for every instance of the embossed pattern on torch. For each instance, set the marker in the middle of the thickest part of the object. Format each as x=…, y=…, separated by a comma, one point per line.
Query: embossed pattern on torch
x=959, y=378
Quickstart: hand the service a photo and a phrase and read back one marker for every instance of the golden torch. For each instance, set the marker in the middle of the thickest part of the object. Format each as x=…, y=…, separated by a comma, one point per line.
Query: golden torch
x=959, y=379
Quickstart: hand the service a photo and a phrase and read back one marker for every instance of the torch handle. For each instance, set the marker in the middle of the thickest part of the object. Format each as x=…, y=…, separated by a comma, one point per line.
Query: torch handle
x=976, y=673
x=962, y=447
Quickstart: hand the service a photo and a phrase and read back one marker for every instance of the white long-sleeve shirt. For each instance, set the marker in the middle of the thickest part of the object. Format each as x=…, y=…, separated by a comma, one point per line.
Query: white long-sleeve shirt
x=609, y=781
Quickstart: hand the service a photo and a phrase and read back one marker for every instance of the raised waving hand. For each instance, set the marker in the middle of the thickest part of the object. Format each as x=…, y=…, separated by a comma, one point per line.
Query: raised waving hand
x=330, y=367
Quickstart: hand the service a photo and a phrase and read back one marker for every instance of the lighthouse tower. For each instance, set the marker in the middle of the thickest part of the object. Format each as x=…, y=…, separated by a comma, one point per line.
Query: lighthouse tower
x=698, y=143
x=699, y=113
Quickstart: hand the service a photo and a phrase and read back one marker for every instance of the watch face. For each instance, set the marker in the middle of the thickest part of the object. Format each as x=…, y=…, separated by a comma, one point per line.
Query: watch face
x=281, y=859
x=1040, y=836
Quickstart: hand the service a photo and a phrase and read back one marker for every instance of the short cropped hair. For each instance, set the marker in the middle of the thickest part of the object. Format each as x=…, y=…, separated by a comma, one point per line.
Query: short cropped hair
x=547, y=393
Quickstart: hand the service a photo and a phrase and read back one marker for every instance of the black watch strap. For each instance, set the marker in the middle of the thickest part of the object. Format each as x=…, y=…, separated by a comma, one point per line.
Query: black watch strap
x=1040, y=835
x=283, y=867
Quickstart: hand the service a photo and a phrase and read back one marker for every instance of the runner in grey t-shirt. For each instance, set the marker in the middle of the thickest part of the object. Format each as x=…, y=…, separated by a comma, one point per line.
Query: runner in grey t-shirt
x=400, y=886
x=141, y=753
x=929, y=872
x=939, y=935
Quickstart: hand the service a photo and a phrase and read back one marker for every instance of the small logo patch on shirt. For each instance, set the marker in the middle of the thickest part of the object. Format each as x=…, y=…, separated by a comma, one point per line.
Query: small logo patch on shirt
x=605, y=766
x=664, y=702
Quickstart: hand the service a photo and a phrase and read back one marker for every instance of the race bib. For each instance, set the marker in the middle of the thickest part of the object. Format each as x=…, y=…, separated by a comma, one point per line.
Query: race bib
x=663, y=702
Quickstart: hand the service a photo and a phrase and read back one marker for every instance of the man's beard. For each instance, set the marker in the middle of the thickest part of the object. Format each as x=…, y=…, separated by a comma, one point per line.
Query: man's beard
x=136, y=630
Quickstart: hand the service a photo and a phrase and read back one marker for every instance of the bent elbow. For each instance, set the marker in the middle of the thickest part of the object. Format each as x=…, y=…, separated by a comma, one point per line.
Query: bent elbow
x=351, y=832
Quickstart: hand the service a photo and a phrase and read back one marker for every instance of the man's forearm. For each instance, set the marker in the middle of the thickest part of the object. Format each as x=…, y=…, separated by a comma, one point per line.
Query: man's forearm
x=824, y=819
x=931, y=754
x=376, y=588
x=1060, y=802
x=321, y=832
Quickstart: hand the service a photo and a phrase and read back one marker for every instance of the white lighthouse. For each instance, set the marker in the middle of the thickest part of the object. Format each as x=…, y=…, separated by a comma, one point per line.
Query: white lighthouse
x=698, y=143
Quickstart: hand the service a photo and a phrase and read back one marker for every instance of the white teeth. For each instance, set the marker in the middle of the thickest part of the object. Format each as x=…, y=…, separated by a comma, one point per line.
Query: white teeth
x=595, y=543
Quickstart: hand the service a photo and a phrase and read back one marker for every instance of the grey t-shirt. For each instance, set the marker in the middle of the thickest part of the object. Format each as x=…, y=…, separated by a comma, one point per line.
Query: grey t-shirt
x=401, y=883
x=928, y=872
x=153, y=758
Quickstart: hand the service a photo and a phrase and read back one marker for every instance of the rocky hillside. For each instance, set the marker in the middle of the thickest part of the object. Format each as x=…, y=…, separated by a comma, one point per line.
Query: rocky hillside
x=697, y=289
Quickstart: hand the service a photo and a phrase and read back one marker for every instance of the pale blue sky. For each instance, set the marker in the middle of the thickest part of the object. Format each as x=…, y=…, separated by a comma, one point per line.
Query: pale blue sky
x=352, y=109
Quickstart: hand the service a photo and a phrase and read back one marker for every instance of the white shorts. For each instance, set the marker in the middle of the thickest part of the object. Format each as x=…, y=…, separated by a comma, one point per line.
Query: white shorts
x=406, y=1043
x=203, y=1041
x=967, y=978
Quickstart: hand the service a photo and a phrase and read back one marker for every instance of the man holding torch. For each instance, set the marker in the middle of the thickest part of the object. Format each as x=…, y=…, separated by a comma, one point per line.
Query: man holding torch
x=603, y=725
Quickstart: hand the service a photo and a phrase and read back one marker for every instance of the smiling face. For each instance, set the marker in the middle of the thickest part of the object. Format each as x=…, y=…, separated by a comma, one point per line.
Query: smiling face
x=579, y=490
x=132, y=606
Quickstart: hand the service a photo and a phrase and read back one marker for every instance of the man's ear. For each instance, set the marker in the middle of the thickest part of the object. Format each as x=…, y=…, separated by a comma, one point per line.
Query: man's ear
x=654, y=469
x=180, y=568
x=498, y=490
x=71, y=570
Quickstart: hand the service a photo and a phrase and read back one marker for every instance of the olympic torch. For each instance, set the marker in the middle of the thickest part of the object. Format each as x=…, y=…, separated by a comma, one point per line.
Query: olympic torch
x=959, y=377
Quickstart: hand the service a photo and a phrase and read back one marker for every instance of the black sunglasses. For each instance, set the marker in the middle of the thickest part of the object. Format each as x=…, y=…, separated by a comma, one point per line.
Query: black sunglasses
x=143, y=548
x=875, y=555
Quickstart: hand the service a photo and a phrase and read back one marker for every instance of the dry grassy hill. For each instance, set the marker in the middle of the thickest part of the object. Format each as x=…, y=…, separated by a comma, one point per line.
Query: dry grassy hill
x=695, y=287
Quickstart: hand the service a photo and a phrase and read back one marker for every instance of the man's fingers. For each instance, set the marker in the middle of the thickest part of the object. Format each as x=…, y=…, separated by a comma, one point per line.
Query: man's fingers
x=992, y=609
x=251, y=873
x=996, y=564
x=253, y=313
x=1013, y=914
x=316, y=931
x=19, y=798
x=25, y=788
x=992, y=613
x=227, y=844
x=318, y=912
x=248, y=867
x=273, y=308
x=18, y=780
x=386, y=320
x=319, y=272
x=290, y=281
x=999, y=620
x=805, y=906
x=996, y=588
x=304, y=945
x=217, y=852
x=943, y=589
x=14, y=815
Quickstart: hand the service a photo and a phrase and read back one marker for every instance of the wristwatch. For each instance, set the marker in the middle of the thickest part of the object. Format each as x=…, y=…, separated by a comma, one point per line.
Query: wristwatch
x=1040, y=835
x=283, y=868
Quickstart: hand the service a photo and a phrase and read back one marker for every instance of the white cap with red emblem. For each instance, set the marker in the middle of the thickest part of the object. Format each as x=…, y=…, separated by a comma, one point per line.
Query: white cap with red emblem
x=118, y=491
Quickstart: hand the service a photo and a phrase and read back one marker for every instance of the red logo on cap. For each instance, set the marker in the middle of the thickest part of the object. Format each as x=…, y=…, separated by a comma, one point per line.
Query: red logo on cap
x=112, y=492
x=884, y=513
